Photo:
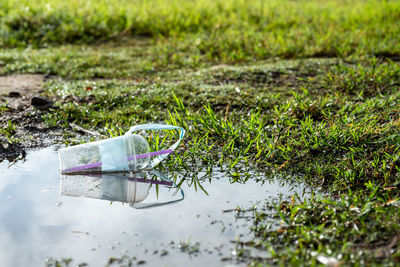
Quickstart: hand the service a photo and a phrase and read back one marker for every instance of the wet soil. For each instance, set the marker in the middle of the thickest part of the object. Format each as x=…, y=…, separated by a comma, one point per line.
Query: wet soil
x=24, y=84
x=288, y=76
x=21, y=111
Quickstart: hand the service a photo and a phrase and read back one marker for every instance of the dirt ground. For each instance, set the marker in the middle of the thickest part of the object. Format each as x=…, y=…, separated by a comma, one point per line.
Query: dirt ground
x=21, y=83
x=22, y=106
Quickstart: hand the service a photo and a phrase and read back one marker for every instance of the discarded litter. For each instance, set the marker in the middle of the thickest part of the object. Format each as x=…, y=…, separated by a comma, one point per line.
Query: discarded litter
x=127, y=153
x=113, y=168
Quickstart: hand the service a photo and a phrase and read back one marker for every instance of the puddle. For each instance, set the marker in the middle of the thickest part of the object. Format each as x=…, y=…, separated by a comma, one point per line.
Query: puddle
x=39, y=219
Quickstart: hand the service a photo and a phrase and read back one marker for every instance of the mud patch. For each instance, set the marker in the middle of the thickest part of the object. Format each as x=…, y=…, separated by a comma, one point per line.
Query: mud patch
x=252, y=77
x=23, y=84
x=21, y=112
x=12, y=152
x=290, y=76
x=18, y=89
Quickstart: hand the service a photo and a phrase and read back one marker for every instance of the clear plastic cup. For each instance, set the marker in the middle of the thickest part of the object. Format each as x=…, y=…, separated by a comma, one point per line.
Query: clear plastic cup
x=128, y=153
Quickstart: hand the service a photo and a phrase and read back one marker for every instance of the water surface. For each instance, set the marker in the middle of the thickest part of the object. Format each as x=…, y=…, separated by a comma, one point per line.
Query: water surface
x=38, y=223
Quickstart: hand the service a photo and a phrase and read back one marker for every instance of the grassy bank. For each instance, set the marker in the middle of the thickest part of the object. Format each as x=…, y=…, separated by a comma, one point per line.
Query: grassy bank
x=216, y=30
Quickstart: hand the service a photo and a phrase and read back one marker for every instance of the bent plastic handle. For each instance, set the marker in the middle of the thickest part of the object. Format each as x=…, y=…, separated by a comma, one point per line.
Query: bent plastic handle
x=147, y=127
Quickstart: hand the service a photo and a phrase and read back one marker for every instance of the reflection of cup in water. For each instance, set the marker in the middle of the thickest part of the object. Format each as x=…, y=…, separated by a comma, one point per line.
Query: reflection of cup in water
x=125, y=188
x=133, y=188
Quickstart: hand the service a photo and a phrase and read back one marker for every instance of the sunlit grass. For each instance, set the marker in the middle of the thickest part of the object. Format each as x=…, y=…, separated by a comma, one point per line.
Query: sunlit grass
x=216, y=30
x=332, y=122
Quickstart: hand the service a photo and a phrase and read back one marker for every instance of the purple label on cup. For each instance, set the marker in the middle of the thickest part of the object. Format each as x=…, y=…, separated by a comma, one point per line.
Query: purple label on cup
x=98, y=164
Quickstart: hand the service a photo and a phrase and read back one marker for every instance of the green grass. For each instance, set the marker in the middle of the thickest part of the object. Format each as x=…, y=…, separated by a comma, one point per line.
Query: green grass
x=217, y=68
x=7, y=130
x=331, y=133
x=230, y=31
x=352, y=230
x=80, y=62
x=332, y=123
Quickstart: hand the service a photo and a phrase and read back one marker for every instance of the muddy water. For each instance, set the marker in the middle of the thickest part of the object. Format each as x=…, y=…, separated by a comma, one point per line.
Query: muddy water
x=37, y=223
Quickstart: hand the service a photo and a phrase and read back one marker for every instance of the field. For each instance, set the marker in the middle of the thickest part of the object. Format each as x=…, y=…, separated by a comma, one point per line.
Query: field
x=306, y=88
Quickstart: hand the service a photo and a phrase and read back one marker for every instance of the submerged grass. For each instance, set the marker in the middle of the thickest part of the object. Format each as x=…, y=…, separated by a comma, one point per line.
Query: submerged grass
x=355, y=229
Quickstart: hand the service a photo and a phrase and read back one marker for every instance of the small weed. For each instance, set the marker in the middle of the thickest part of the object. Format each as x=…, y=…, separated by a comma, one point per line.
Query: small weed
x=9, y=131
x=51, y=262
x=189, y=248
